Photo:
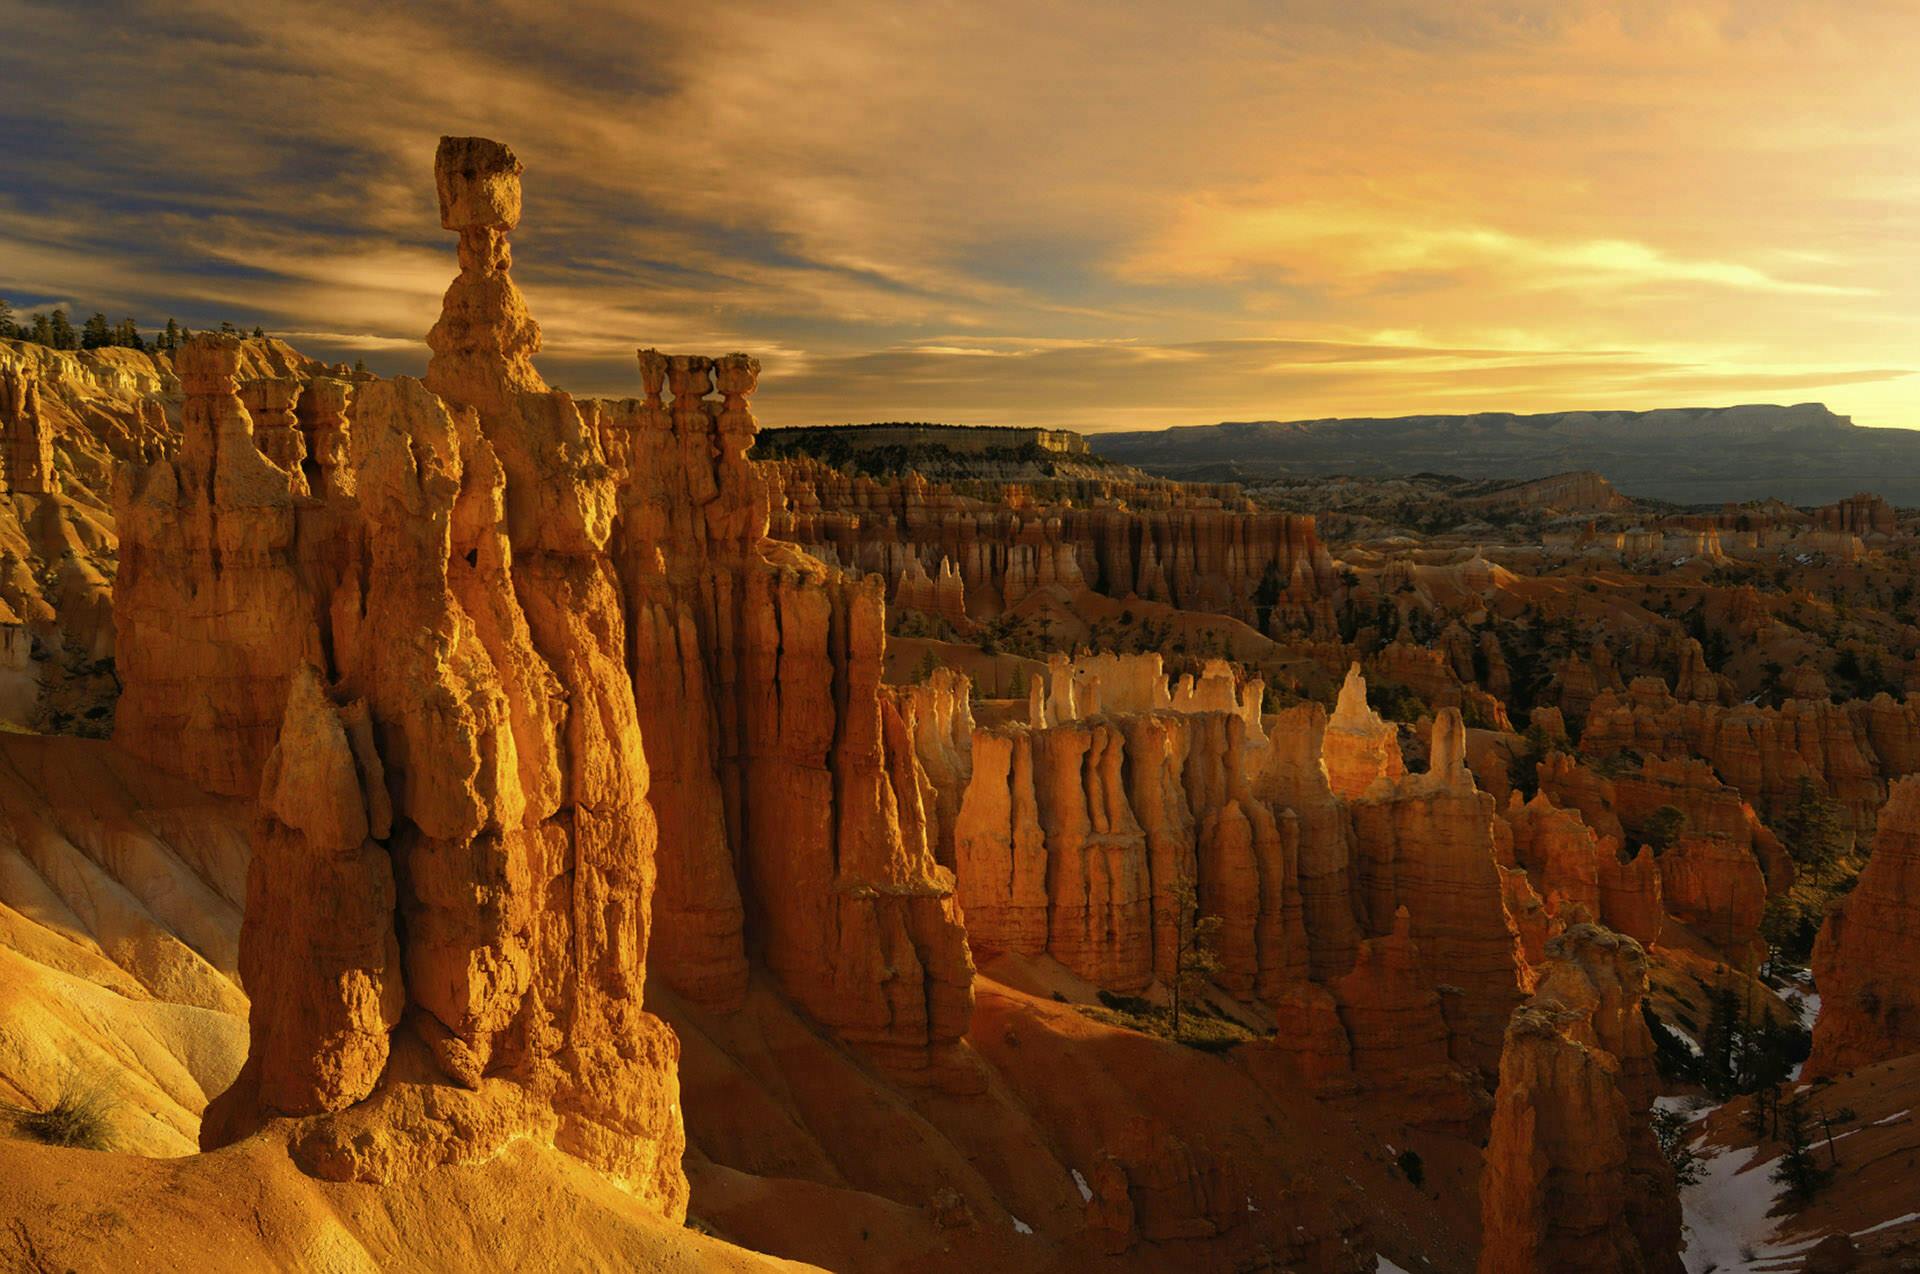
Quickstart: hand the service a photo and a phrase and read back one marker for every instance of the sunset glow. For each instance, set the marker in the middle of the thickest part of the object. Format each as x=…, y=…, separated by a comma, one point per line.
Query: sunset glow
x=1096, y=216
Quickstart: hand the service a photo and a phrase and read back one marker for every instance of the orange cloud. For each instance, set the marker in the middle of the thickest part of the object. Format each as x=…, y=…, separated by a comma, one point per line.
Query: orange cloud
x=1080, y=213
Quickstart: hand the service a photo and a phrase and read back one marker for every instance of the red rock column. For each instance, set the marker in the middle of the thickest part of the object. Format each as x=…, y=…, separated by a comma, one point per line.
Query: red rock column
x=1574, y=1180
x=269, y=402
x=318, y=953
x=26, y=441
x=322, y=417
x=1865, y=957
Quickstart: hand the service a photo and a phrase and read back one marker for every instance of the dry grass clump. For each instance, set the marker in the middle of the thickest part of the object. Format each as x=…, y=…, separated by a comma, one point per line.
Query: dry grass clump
x=81, y=1116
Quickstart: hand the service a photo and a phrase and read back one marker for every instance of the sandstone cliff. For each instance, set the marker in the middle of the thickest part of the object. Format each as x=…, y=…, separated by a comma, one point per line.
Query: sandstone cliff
x=1574, y=1180
x=1863, y=960
x=459, y=623
x=1072, y=834
x=1765, y=752
x=1191, y=546
x=1427, y=843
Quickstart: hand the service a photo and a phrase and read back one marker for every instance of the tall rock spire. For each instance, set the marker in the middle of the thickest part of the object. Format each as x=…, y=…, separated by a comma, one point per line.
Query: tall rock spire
x=484, y=343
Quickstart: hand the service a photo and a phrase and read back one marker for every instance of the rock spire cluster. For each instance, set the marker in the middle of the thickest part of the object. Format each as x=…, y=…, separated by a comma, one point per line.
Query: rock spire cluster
x=492, y=639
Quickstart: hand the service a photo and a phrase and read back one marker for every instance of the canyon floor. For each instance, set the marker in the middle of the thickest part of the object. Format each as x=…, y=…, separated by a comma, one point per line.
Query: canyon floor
x=451, y=823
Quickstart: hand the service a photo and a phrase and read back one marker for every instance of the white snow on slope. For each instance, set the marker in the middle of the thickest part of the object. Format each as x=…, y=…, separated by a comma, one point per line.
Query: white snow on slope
x=1728, y=1230
x=1888, y=1225
x=1726, y=1210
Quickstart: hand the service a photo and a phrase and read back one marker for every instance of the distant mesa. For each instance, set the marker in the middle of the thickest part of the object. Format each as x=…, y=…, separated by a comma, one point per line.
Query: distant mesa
x=1803, y=454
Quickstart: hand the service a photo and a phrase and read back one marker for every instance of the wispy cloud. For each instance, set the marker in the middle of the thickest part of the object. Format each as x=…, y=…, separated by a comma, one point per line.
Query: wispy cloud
x=1081, y=213
x=1352, y=249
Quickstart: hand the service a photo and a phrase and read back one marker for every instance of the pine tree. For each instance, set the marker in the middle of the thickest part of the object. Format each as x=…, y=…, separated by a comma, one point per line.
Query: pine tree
x=126, y=334
x=1720, y=1043
x=258, y=334
x=1663, y=828
x=64, y=335
x=1671, y=1129
x=228, y=329
x=1764, y=1099
x=171, y=340
x=1813, y=831
x=1797, y=1169
x=1196, y=943
x=41, y=333
x=95, y=333
x=7, y=328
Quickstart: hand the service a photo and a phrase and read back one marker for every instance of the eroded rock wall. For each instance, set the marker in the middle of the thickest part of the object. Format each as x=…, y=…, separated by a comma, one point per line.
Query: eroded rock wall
x=1864, y=958
x=1574, y=1180
x=1195, y=547
x=454, y=635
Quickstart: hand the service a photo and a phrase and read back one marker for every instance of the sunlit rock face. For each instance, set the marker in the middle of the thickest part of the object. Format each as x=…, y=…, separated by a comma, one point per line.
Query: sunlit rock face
x=1377, y=928
x=954, y=553
x=472, y=644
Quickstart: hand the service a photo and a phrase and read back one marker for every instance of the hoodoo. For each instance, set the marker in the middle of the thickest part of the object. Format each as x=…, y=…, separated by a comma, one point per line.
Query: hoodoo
x=1573, y=1179
x=446, y=619
x=1865, y=958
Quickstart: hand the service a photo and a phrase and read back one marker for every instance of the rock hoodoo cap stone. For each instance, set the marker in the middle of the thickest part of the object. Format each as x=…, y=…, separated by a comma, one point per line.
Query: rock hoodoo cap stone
x=478, y=181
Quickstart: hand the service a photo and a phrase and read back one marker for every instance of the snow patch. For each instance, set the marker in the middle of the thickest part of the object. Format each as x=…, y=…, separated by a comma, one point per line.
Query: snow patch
x=1693, y=1106
x=1894, y=1118
x=1725, y=1211
x=1021, y=1227
x=1888, y=1225
x=1692, y=1045
x=1386, y=1267
x=1080, y=1183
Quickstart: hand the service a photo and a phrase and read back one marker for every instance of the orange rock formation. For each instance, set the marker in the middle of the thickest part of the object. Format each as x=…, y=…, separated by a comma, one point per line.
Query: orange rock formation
x=450, y=608
x=1359, y=748
x=1195, y=547
x=1574, y=1180
x=1864, y=958
x=1850, y=751
x=26, y=438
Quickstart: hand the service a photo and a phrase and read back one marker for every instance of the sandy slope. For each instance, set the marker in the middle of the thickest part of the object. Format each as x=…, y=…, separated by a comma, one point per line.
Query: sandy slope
x=119, y=924
x=247, y=1208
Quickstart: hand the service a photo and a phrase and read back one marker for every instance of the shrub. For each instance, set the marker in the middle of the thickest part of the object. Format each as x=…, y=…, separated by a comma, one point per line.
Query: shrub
x=1663, y=828
x=1672, y=1129
x=81, y=1116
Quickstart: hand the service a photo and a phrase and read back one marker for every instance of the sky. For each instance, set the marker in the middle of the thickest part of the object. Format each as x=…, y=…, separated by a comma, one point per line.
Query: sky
x=1096, y=215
